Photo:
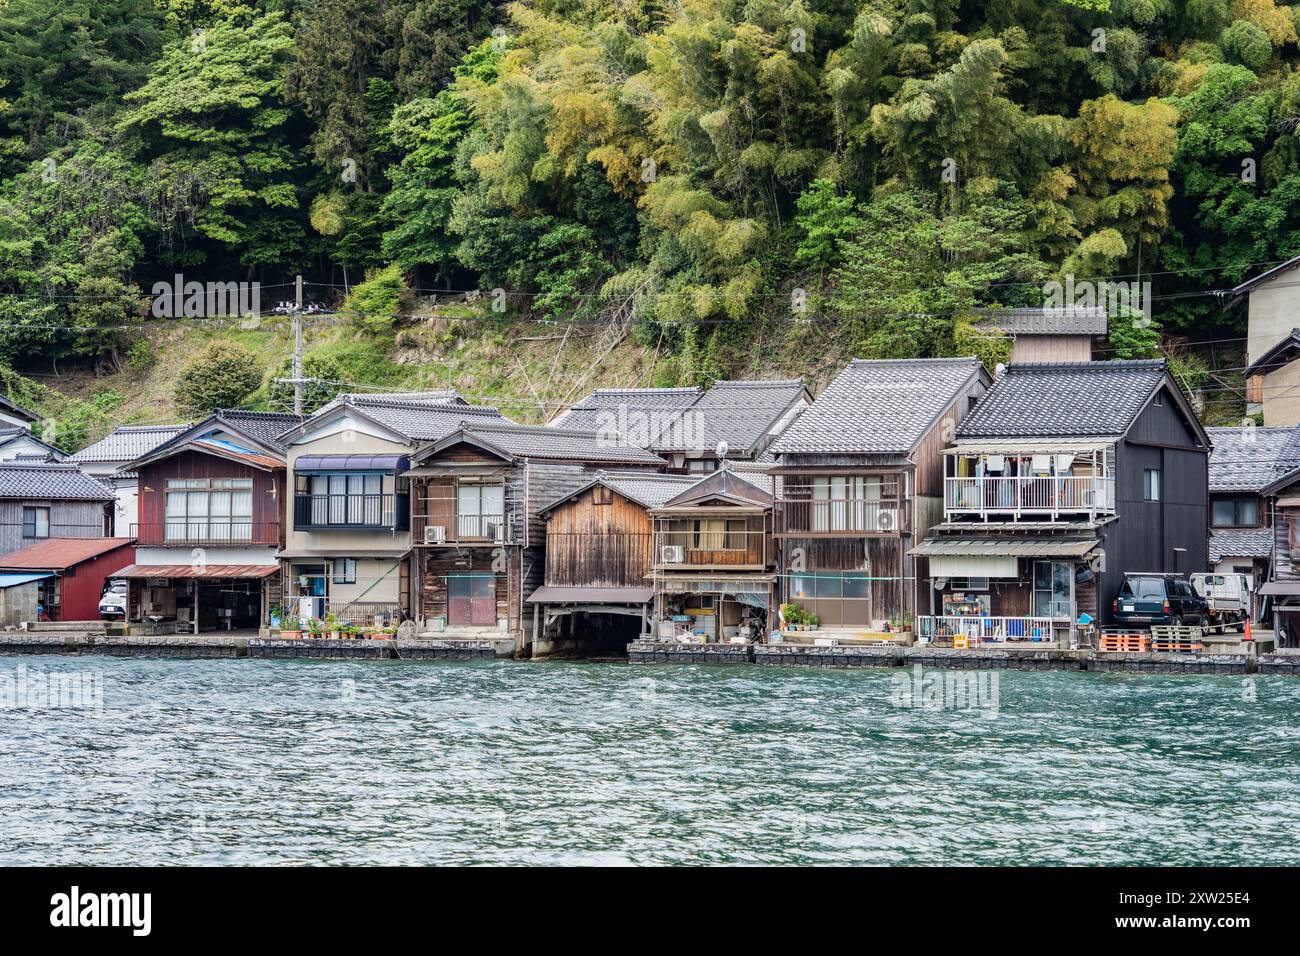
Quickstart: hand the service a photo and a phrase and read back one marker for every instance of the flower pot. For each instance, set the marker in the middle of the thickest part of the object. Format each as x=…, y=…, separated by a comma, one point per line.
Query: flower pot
x=290, y=635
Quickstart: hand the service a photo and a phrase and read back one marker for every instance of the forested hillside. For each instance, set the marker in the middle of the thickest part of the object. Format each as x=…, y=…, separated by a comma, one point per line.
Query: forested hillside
x=530, y=199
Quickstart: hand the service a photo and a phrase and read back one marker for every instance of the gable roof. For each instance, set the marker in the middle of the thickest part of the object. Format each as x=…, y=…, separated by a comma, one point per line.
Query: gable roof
x=259, y=432
x=725, y=484
x=412, y=416
x=17, y=432
x=1070, y=400
x=8, y=405
x=1046, y=320
x=879, y=406
x=58, y=554
x=128, y=442
x=739, y=413
x=1266, y=275
x=1247, y=458
x=511, y=441
x=1282, y=352
x=56, y=481
x=600, y=409
x=648, y=489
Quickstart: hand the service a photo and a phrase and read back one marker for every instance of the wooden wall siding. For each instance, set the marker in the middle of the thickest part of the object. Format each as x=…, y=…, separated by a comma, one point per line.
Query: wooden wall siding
x=1162, y=425
x=268, y=494
x=884, y=558
x=757, y=551
x=1051, y=348
x=542, y=484
x=438, y=563
x=591, y=545
x=68, y=519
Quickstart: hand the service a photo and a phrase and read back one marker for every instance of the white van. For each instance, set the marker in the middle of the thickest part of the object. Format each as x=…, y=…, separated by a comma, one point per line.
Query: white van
x=1230, y=596
x=112, y=603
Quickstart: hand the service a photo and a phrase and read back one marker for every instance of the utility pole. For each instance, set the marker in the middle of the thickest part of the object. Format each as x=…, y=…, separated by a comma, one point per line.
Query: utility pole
x=297, y=347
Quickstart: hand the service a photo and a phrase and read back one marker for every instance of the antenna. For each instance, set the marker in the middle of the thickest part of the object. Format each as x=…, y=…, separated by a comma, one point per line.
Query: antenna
x=721, y=450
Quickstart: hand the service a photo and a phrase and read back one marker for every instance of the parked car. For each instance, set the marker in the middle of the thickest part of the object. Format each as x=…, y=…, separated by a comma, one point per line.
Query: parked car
x=1155, y=598
x=1230, y=598
x=112, y=603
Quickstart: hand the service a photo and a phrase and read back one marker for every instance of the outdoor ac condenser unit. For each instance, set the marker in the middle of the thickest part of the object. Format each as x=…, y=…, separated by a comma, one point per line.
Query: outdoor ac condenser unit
x=672, y=554
x=887, y=519
x=435, y=534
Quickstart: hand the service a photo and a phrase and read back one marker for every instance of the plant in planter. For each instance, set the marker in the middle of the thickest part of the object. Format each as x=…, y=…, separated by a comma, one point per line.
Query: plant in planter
x=332, y=625
x=314, y=628
x=290, y=628
x=794, y=616
x=349, y=631
x=812, y=620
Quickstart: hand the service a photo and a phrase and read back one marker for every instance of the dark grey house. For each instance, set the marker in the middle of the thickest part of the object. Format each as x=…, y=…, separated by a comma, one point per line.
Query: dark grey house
x=42, y=500
x=1064, y=477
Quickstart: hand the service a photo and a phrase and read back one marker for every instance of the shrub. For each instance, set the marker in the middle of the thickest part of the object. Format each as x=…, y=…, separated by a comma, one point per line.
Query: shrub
x=221, y=376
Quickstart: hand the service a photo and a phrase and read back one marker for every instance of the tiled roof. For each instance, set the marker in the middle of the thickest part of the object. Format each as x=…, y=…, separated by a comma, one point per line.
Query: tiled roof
x=722, y=483
x=423, y=422
x=64, y=482
x=603, y=408
x=1269, y=274
x=545, y=441
x=1064, y=399
x=55, y=554
x=15, y=433
x=1249, y=459
x=128, y=442
x=878, y=407
x=265, y=427
x=1240, y=543
x=7, y=404
x=737, y=413
x=1280, y=353
x=1067, y=320
x=649, y=490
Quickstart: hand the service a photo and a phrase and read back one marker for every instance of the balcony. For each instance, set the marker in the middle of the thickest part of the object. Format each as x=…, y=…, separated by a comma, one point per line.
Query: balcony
x=460, y=529
x=710, y=549
x=1047, y=496
x=351, y=512
x=849, y=517
x=208, y=533
x=942, y=629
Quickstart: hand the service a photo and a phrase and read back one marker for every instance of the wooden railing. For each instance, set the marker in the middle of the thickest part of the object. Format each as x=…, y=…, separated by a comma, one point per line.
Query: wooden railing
x=847, y=516
x=1029, y=494
x=993, y=629
x=710, y=549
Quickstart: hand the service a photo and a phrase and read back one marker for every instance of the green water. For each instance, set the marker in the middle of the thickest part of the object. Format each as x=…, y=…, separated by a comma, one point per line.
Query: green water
x=353, y=762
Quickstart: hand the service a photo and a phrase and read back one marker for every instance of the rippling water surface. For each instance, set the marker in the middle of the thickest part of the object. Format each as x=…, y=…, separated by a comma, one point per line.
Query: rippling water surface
x=320, y=762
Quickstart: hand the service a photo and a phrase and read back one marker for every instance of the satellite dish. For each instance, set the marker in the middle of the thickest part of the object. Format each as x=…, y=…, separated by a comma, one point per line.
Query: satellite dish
x=721, y=450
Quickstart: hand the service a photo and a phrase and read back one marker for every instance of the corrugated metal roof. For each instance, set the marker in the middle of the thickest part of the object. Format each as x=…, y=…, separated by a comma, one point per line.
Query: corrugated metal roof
x=549, y=595
x=61, y=553
x=1005, y=547
x=13, y=580
x=193, y=571
x=351, y=463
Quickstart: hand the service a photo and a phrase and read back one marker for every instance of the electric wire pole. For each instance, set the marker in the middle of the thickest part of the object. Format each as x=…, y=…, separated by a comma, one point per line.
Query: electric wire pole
x=297, y=347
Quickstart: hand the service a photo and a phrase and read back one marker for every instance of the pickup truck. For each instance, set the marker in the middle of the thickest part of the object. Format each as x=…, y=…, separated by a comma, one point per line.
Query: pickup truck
x=1230, y=597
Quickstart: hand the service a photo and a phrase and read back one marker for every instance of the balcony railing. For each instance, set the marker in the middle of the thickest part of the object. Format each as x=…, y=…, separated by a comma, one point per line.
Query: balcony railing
x=986, y=630
x=212, y=531
x=344, y=512
x=1033, y=495
x=710, y=549
x=460, y=529
x=842, y=516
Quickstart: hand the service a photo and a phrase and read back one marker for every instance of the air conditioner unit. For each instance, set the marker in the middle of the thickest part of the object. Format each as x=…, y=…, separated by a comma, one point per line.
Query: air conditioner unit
x=887, y=519
x=435, y=534
x=672, y=554
x=494, y=530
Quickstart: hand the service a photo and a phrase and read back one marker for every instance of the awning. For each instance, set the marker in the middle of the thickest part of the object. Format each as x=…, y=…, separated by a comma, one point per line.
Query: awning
x=192, y=571
x=994, y=446
x=1289, y=588
x=1005, y=547
x=385, y=463
x=370, y=554
x=1289, y=502
x=548, y=595
x=13, y=580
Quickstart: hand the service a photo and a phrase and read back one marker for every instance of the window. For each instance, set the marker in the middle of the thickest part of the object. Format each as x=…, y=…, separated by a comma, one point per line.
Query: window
x=969, y=584
x=702, y=466
x=602, y=495
x=1053, y=589
x=1151, y=484
x=209, y=509
x=36, y=522
x=1235, y=513
x=718, y=534
x=852, y=502
x=345, y=571
x=480, y=510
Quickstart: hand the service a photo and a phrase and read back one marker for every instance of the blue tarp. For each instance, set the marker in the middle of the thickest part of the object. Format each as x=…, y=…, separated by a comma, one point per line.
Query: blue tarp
x=15, y=579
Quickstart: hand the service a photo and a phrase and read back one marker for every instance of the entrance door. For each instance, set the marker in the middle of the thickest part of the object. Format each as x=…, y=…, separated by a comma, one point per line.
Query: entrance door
x=471, y=599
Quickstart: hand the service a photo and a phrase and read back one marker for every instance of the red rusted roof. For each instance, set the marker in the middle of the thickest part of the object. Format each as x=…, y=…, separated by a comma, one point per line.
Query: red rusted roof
x=56, y=554
x=193, y=571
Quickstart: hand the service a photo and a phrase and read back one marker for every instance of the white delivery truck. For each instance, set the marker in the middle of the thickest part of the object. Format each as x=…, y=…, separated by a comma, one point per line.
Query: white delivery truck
x=1230, y=596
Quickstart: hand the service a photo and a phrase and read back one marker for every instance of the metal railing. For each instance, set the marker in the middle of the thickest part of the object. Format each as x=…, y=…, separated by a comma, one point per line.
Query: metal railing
x=1029, y=494
x=322, y=512
x=705, y=548
x=195, y=531
x=489, y=528
x=853, y=516
x=981, y=629
x=361, y=613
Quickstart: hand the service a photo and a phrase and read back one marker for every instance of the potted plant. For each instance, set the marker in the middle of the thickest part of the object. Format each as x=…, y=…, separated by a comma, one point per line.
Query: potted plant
x=348, y=632
x=793, y=616
x=332, y=625
x=812, y=620
x=313, y=627
x=290, y=628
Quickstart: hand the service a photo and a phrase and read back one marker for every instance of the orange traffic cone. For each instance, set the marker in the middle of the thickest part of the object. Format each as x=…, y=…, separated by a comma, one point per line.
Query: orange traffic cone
x=1246, y=636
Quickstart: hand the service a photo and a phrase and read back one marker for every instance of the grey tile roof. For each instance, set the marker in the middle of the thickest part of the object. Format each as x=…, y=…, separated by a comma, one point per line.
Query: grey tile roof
x=1066, y=320
x=266, y=427
x=601, y=409
x=1240, y=543
x=1064, y=399
x=1250, y=459
x=128, y=442
x=723, y=483
x=738, y=413
x=63, y=482
x=1265, y=276
x=564, y=444
x=14, y=433
x=419, y=416
x=648, y=489
x=1280, y=353
x=878, y=407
